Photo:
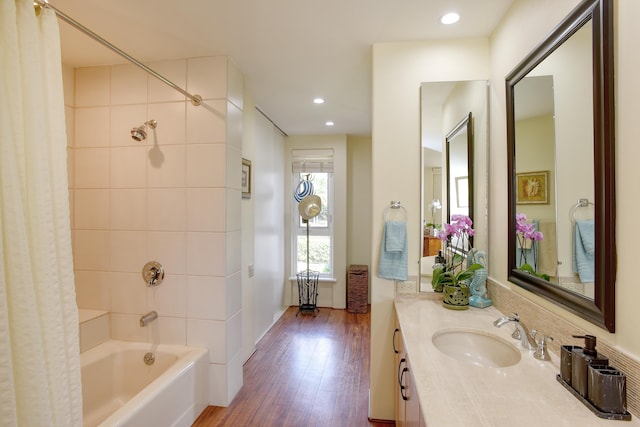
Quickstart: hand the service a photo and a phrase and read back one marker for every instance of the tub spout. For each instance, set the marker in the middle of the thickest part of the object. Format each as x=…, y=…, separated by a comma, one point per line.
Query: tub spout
x=148, y=318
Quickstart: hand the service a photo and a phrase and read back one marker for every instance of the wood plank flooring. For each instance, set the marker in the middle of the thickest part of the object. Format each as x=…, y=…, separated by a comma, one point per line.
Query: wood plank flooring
x=306, y=371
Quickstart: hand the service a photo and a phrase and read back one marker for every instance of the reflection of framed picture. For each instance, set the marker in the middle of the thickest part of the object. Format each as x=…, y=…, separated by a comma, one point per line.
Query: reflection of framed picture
x=532, y=188
x=246, y=179
x=462, y=191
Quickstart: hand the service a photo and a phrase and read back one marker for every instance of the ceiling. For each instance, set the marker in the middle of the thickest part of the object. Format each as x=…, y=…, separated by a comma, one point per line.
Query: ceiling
x=290, y=51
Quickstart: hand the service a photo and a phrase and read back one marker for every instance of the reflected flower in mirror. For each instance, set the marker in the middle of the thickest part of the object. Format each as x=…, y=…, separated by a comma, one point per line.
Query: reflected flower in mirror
x=528, y=238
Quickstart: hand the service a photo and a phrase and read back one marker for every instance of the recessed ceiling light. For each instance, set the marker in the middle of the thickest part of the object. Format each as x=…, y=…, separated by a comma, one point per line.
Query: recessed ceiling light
x=329, y=123
x=450, y=18
x=318, y=101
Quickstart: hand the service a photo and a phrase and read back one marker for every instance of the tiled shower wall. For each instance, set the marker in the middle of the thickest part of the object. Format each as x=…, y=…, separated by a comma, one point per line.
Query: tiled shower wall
x=174, y=198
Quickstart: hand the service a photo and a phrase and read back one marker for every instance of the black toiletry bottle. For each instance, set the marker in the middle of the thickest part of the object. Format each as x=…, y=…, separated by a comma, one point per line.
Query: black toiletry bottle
x=581, y=358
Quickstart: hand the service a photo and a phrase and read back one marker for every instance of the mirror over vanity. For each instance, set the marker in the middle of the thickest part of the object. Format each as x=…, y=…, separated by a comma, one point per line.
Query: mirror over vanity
x=560, y=138
x=454, y=133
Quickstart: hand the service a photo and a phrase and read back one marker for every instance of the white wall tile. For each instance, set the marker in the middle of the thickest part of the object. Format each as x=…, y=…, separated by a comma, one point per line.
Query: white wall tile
x=206, y=254
x=233, y=253
x=128, y=293
x=91, y=167
x=94, y=332
x=91, y=209
x=123, y=119
x=91, y=250
x=171, y=172
x=166, y=209
x=169, y=249
x=92, y=127
x=234, y=126
x=218, y=385
x=234, y=375
x=70, y=124
x=71, y=168
x=68, y=85
x=170, y=297
x=206, y=165
x=175, y=71
x=234, y=335
x=93, y=289
x=128, y=209
x=206, y=209
x=171, y=118
x=233, y=172
x=128, y=167
x=128, y=85
x=126, y=327
x=168, y=330
x=207, y=77
x=93, y=86
x=206, y=297
x=233, y=209
x=207, y=123
x=128, y=251
x=233, y=294
x=210, y=334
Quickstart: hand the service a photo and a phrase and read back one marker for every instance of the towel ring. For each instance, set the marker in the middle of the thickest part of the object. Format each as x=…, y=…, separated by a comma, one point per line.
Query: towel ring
x=395, y=206
x=582, y=203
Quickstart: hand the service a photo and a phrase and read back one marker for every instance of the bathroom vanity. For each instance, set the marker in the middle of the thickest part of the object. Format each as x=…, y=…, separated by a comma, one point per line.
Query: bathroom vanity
x=493, y=385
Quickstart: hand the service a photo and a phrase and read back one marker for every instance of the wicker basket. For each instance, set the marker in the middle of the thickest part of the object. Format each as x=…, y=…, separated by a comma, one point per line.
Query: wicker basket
x=358, y=288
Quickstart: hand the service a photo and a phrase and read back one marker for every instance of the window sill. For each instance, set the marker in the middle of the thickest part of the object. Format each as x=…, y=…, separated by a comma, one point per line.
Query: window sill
x=320, y=279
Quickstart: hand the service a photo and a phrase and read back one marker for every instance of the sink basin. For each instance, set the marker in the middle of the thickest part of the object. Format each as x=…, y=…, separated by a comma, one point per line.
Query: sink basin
x=476, y=347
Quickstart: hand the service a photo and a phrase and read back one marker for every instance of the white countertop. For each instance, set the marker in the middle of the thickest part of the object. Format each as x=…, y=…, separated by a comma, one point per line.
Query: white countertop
x=525, y=394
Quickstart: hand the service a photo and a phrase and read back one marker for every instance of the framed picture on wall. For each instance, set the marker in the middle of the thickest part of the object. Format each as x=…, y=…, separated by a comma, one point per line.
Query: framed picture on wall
x=533, y=188
x=246, y=179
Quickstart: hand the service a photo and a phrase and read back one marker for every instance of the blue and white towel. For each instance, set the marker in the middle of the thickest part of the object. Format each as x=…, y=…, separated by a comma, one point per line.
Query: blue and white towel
x=393, y=263
x=584, y=250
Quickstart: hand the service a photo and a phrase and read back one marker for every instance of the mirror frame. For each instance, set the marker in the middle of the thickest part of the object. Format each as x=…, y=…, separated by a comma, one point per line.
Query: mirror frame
x=600, y=310
x=467, y=124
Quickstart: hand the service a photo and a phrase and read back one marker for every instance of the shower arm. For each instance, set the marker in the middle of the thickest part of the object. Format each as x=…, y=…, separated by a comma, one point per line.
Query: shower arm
x=195, y=99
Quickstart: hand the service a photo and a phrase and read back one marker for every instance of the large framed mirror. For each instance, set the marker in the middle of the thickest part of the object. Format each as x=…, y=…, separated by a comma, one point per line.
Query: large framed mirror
x=453, y=113
x=560, y=139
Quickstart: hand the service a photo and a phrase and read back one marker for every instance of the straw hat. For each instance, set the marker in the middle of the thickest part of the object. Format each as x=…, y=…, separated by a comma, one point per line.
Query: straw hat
x=310, y=207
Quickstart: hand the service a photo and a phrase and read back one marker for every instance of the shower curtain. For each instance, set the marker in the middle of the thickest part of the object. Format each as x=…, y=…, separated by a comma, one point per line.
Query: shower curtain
x=39, y=349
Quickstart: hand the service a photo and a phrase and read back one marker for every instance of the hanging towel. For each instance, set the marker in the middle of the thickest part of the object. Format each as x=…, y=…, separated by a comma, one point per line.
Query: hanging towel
x=393, y=264
x=395, y=236
x=584, y=250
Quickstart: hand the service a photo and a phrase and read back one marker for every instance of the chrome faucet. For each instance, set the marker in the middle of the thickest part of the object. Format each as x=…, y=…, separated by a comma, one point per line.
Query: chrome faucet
x=521, y=333
x=148, y=318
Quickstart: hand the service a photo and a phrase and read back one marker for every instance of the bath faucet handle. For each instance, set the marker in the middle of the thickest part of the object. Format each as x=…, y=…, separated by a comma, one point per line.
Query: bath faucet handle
x=541, y=340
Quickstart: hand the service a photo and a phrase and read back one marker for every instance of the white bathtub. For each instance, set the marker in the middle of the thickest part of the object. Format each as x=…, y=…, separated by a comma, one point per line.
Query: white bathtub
x=119, y=389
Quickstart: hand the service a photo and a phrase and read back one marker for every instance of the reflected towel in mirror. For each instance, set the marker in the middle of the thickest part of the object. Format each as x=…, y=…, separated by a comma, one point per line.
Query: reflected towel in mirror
x=584, y=250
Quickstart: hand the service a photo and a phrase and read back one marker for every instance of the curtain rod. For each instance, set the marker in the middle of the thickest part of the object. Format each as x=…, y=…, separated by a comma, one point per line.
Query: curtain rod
x=195, y=99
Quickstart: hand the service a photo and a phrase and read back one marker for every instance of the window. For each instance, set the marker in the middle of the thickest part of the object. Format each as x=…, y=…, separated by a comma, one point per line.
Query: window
x=313, y=240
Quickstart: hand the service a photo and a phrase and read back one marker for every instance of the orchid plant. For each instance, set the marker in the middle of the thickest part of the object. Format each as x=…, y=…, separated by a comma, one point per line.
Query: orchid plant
x=528, y=238
x=452, y=273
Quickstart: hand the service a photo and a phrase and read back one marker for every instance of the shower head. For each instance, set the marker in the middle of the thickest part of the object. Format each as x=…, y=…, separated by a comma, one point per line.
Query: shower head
x=140, y=133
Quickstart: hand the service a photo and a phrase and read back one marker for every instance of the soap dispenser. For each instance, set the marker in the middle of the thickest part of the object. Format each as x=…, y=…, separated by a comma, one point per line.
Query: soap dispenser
x=581, y=358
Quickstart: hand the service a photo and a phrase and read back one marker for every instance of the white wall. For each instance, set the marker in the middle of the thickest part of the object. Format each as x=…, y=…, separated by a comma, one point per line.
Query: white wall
x=359, y=201
x=398, y=70
x=269, y=169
